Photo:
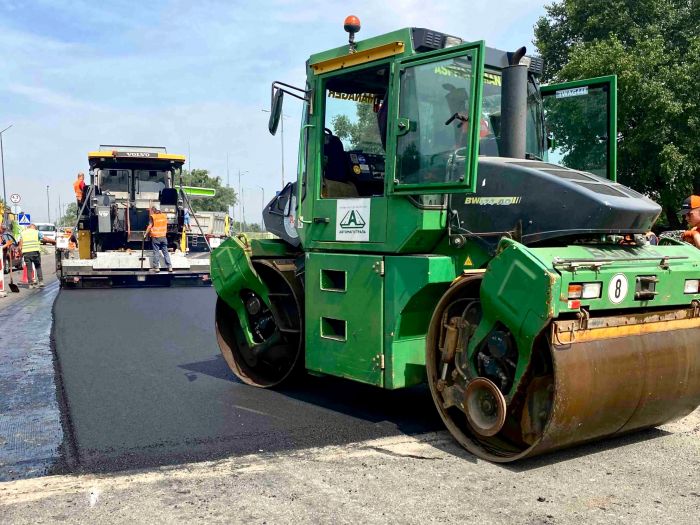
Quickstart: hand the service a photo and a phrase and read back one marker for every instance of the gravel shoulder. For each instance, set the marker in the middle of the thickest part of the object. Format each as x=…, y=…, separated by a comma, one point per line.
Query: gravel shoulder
x=648, y=477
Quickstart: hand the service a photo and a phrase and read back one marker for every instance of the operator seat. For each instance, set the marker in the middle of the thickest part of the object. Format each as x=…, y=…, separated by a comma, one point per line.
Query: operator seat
x=336, y=173
x=168, y=196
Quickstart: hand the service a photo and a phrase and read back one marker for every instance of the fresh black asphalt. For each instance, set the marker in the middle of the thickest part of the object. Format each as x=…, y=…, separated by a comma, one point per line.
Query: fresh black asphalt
x=144, y=384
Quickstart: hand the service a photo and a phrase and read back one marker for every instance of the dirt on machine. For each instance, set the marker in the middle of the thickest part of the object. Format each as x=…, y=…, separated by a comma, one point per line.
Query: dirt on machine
x=457, y=222
x=108, y=246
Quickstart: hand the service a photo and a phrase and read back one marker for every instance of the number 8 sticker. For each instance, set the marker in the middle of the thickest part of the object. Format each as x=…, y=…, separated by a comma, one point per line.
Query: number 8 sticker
x=617, y=289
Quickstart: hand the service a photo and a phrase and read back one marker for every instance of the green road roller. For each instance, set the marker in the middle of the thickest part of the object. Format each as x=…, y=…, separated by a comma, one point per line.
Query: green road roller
x=456, y=222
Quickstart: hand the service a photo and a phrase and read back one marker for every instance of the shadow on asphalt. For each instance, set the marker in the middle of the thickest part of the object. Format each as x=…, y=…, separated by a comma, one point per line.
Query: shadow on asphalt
x=410, y=410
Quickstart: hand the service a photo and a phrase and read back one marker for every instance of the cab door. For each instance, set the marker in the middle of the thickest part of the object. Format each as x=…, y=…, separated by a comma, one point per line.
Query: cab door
x=349, y=202
x=435, y=130
x=581, y=123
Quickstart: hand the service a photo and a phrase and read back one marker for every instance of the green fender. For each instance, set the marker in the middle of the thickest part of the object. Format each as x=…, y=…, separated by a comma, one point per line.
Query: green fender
x=518, y=291
x=231, y=272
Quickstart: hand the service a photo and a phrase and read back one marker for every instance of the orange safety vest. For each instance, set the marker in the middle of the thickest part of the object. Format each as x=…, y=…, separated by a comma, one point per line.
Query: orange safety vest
x=78, y=190
x=160, y=225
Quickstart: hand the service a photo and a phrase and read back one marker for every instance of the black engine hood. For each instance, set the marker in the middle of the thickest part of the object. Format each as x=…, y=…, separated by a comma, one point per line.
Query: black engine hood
x=545, y=201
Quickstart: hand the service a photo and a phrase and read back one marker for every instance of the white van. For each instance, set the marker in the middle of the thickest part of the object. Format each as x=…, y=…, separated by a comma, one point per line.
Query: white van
x=47, y=229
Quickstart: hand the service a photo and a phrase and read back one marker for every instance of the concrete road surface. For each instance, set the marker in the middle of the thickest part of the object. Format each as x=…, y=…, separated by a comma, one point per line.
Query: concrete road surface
x=652, y=477
x=145, y=384
x=48, y=266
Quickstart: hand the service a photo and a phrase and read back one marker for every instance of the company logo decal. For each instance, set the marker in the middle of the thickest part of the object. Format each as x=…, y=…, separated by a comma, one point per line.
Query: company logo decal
x=352, y=220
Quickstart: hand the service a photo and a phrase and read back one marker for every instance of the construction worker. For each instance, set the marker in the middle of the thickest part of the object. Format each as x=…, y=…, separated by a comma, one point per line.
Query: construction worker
x=79, y=189
x=157, y=230
x=690, y=210
x=30, y=245
x=186, y=219
x=6, y=238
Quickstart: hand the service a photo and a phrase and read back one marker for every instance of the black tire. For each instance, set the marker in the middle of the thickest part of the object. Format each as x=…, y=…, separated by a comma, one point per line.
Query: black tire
x=283, y=361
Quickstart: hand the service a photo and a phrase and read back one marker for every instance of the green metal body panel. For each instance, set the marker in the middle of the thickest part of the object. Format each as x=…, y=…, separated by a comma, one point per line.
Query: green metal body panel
x=345, y=315
x=628, y=261
x=413, y=286
x=271, y=248
x=231, y=272
x=517, y=292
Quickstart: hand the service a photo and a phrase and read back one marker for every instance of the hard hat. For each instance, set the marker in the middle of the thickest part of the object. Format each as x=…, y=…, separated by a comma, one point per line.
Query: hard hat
x=155, y=206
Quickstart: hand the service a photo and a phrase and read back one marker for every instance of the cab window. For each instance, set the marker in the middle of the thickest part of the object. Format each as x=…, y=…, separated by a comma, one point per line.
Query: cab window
x=151, y=181
x=354, y=141
x=115, y=180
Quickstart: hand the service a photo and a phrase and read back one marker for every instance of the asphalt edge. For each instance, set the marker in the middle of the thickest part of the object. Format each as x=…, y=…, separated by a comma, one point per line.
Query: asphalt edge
x=68, y=451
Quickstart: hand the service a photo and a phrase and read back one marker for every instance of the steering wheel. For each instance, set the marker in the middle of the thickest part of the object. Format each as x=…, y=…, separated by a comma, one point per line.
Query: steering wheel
x=457, y=116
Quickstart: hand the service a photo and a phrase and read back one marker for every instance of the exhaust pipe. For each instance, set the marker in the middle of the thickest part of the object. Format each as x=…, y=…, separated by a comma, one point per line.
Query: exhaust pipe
x=514, y=106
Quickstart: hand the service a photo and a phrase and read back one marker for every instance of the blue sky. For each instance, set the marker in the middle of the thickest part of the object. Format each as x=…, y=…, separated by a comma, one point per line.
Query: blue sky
x=186, y=75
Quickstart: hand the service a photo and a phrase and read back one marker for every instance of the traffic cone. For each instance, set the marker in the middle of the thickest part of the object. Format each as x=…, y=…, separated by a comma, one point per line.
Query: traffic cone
x=25, y=276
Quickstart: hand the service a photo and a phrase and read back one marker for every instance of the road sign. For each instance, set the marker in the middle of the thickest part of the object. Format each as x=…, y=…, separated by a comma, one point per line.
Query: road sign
x=24, y=219
x=15, y=198
x=16, y=209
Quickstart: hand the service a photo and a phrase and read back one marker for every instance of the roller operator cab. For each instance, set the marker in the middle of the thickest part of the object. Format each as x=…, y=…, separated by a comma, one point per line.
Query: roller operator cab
x=455, y=222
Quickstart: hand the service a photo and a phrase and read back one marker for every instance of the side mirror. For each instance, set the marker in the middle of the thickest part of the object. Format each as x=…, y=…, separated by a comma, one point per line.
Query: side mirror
x=275, y=111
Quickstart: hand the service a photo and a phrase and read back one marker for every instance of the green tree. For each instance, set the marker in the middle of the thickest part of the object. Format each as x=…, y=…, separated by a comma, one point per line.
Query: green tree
x=362, y=134
x=653, y=46
x=224, y=198
x=70, y=216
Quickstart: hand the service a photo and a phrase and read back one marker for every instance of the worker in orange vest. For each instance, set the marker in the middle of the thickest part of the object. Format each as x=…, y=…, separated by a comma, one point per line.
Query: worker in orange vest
x=79, y=189
x=691, y=213
x=157, y=230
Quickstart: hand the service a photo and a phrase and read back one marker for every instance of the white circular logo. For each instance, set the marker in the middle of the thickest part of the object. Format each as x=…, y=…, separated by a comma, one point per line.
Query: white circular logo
x=15, y=198
x=617, y=289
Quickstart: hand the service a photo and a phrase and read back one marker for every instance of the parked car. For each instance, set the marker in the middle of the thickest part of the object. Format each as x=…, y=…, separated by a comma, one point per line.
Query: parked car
x=47, y=229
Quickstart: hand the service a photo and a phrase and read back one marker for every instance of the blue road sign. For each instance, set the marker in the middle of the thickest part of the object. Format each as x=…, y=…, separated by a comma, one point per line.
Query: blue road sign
x=24, y=219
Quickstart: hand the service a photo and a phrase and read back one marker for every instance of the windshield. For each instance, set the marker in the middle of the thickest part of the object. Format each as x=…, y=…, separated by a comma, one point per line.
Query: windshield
x=46, y=228
x=151, y=181
x=115, y=180
x=436, y=95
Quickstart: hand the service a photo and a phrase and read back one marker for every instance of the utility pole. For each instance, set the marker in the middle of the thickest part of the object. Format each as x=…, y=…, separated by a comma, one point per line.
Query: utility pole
x=262, y=222
x=228, y=184
x=240, y=200
x=48, y=203
x=2, y=161
x=242, y=212
x=60, y=210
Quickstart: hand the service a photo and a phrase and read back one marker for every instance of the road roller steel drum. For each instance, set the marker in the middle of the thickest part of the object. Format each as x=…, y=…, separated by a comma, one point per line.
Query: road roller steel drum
x=566, y=377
